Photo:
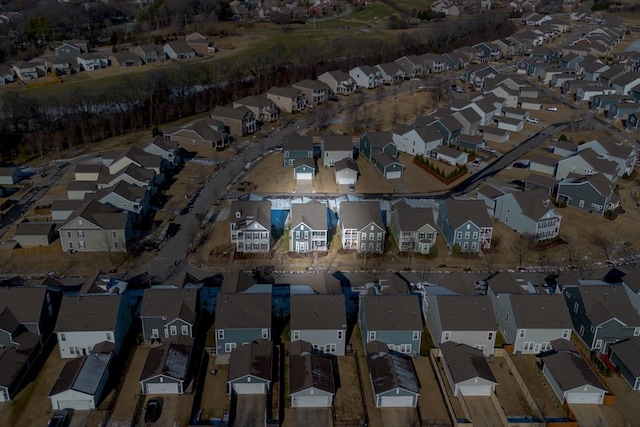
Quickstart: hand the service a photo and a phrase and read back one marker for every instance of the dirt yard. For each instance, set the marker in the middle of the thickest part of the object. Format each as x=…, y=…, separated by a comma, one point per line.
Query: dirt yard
x=215, y=400
x=542, y=393
x=508, y=392
x=430, y=402
x=130, y=391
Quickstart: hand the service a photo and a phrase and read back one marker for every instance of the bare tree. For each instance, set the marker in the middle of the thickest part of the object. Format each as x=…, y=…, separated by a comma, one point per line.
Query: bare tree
x=523, y=246
x=605, y=242
x=112, y=242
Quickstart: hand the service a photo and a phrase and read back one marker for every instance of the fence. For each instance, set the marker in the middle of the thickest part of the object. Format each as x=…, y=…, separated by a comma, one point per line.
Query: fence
x=364, y=400
x=433, y=353
x=520, y=381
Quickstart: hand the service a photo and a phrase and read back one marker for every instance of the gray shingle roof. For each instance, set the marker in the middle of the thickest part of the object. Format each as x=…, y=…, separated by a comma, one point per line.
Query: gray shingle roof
x=311, y=371
x=628, y=351
x=170, y=359
x=313, y=214
x=101, y=215
x=318, y=312
x=34, y=228
x=357, y=215
x=333, y=142
x=605, y=302
x=172, y=303
x=346, y=163
x=392, y=312
x=390, y=370
x=11, y=362
x=466, y=313
x=260, y=211
x=251, y=359
x=466, y=362
x=412, y=219
x=571, y=371
x=540, y=311
x=243, y=311
x=25, y=302
x=535, y=204
x=83, y=374
x=461, y=211
x=90, y=313
x=295, y=142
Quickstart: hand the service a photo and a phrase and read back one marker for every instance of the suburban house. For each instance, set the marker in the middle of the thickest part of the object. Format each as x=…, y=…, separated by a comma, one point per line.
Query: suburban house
x=10, y=175
x=572, y=379
x=168, y=150
x=412, y=65
x=587, y=162
x=624, y=355
x=250, y=368
x=250, y=223
x=535, y=181
x=591, y=193
x=320, y=320
x=531, y=321
x=132, y=175
x=312, y=382
x=449, y=155
x=288, y=99
x=346, y=172
x=237, y=121
x=71, y=50
x=377, y=142
x=92, y=61
x=125, y=59
x=77, y=190
x=467, y=370
x=611, y=149
x=85, y=321
x=391, y=73
x=297, y=147
x=541, y=163
x=315, y=92
x=450, y=128
x=416, y=140
x=82, y=383
x=361, y=226
x=264, y=109
x=200, y=44
x=178, y=50
x=148, y=53
x=339, y=82
x=394, y=380
x=464, y=319
x=465, y=224
x=168, y=313
x=95, y=227
x=309, y=230
x=117, y=162
x=166, y=370
x=128, y=197
x=469, y=119
x=207, y=133
x=335, y=148
x=241, y=319
x=389, y=167
x=601, y=314
x=30, y=70
x=304, y=169
x=366, y=77
x=470, y=142
x=395, y=320
x=413, y=229
x=433, y=63
x=34, y=233
x=530, y=213
x=87, y=171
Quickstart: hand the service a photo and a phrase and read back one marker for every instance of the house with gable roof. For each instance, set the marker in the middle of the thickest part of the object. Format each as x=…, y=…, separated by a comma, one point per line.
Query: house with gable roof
x=413, y=229
x=309, y=230
x=393, y=377
x=361, y=226
x=209, y=133
x=127, y=197
x=296, y=147
x=167, y=313
x=346, y=172
x=148, y=53
x=339, y=82
x=395, y=320
x=611, y=149
x=288, y=99
x=264, y=109
x=366, y=77
x=530, y=213
x=165, y=148
x=178, y=49
x=335, y=148
x=624, y=355
x=314, y=91
x=167, y=368
x=467, y=370
x=250, y=223
x=132, y=174
x=250, y=368
x=412, y=65
x=377, y=142
x=95, y=227
x=312, y=382
x=465, y=223
x=241, y=319
x=416, y=140
x=391, y=73
x=320, y=320
x=587, y=162
x=592, y=193
x=237, y=121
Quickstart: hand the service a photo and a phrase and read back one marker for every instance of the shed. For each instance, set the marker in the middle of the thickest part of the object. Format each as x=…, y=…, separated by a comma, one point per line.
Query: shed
x=35, y=233
x=508, y=124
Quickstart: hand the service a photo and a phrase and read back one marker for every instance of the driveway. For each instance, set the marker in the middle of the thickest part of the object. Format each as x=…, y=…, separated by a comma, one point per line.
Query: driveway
x=251, y=410
x=483, y=413
x=399, y=417
x=590, y=416
x=313, y=417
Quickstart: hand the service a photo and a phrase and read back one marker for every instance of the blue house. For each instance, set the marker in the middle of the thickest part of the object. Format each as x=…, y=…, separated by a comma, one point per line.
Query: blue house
x=593, y=193
x=622, y=110
x=388, y=166
x=377, y=142
x=632, y=122
x=624, y=354
x=571, y=61
x=297, y=147
x=395, y=320
x=465, y=224
x=309, y=229
x=241, y=319
x=450, y=128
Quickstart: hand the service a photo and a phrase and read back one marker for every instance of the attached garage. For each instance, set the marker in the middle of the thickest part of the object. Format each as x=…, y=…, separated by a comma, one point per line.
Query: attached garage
x=396, y=401
x=304, y=169
x=166, y=368
x=476, y=390
x=250, y=388
x=162, y=388
x=393, y=175
x=250, y=368
x=589, y=396
x=395, y=384
x=78, y=405
x=310, y=402
x=304, y=176
x=312, y=383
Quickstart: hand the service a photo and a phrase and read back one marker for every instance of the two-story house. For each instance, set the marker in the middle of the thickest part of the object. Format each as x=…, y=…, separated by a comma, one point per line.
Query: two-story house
x=241, y=319
x=168, y=150
x=314, y=91
x=339, y=82
x=125, y=196
x=361, y=226
x=262, y=107
x=412, y=65
x=250, y=223
x=309, y=230
x=207, y=133
x=593, y=193
x=529, y=212
x=288, y=99
x=366, y=77
x=335, y=148
x=395, y=320
x=391, y=73
x=320, y=320
x=378, y=142
x=297, y=147
x=416, y=140
x=168, y=313
x=237, y=121
x=465, y=224
x=413, y=229
x=611, y=149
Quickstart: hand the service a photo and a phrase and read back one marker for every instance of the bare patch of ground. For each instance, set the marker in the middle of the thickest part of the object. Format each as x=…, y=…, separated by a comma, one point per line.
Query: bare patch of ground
x=508, y=391
x=542, y=393
x=215, y=399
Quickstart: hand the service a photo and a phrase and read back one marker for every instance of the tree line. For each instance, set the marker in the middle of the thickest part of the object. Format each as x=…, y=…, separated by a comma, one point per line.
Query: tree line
x=32, y=124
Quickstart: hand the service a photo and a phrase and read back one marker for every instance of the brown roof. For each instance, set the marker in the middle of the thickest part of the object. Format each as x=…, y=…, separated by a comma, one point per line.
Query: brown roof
x=88, y=168
x=390, y=370
x=243, y=311
x=90, y=313
x=311, y=371
x=172, y=303
x=313, y=214
x=101, y=215
x=314, y=312
x=34, y=228
x=571, y=371
x=11, y=362
x=392, y=312
x=412, y=219
x=251, y=359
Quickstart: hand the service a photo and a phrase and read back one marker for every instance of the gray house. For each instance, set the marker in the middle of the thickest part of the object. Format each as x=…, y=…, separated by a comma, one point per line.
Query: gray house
x=241, y=319
x=611, y=149
x=361, y=226
x=413, y=229
x=316, y=92
x=250, y=223
x=250, y=368
x=591, y=193
x=624, y=355
x=531, y=321
x=395, y=320
x=168, y=313
x=339, y=82
x=388, y=166
x=166, y=369
x=465, y=224
x=309, y=230
x=311, y=377
x=587, y=162
x=377, y=142
x=335, y=148
x=467, y=370
x=178, y=50
x=601, y=314
x=465, y=319
x=320, y=320
x=394, y=380
x=297, y=147
x=530, y=213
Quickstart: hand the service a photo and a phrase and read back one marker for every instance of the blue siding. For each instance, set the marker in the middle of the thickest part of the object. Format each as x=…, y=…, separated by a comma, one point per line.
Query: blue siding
x=278, y=220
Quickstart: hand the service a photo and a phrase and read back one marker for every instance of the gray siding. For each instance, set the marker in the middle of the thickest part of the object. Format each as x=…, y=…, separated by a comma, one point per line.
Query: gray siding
x=583, y=197
x=321, y=338
x=239, y=337
x=541, y=339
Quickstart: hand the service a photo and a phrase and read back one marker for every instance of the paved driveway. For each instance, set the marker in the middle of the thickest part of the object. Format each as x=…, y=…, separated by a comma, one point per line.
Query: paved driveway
x=590, y=416
x=399, y=417
x=251, y=410
x=483, y=413
x=320, y=417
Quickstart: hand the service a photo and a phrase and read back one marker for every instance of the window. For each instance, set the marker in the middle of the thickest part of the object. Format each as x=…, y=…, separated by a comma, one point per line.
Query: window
x=582, y=330
x=528, y=346
x=114, y=234
x=70, y=245
x=173, y=330
x=593, y=329
x=480, y=347
x=340, y=335
x=185, y=330
x=475, y=235
x=636, y=332
x=566, y=333
x=109, y=336
x=378, y=247
x=80, y=234
x=363, y=247
x=155, y=333
x=296, y=335
x=522, y=333
x=416, y=335
x=220, y=334
x=265, y=333
x=379, y=236
x=68, y=234
x=72, y=350
x=467, y=235
x=575, y=307
x=371, y=236
x=474, y=245
x=228, y=347
x=405, y=348
x=370, y=246
x=581, y=204
x=63, y=337
x=459, y=235
x=306, y=234
x=598, y=344
x=372, y=335
x=297, y=234
x=490, y=336
x=446, y=336
x=465, y=245
x=330, y=348
x=81, y=244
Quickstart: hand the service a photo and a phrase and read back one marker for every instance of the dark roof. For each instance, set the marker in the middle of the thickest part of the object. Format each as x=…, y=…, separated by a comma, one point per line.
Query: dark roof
x=466, y=362
x=243, y=311
x=320, y=282
x=542, y=180
x=412, y=219
x=297, y=142
x=318, y=312
x=83, y=374
x=259, y=211
x=25, y=302
x=628, y=351
x=170, y=359
x=172, y=303
x=392, y=312
x=81, y=186
x=605, y=302
x=34, y=228
x=88, y=168
x=11, y=362
x=66, y=205
x=357, y=215
x=310, y=370
x=461, y=211
x=346, y=163
x=380, y=138
x=101, y=215
x=571, y=371
x=466, y=313
x=534, y=204
x=286, y=92
x=90, y=313
x=231, y=113
x=540, y=311
x=179, y=46
x=251, y=359
x=333, y=142
x=8, y=322
x=304, y=161
x=390, y=370
x=236, y=282
x=313, y=214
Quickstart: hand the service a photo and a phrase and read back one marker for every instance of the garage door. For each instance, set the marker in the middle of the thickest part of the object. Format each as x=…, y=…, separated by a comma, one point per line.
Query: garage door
x=396, y=401
x=78, y=405
x=582, y=398
x=311, y=402
x=249, y=388
x=477, y=390
x=304, y=176
x=394, y=175
x=162, y=388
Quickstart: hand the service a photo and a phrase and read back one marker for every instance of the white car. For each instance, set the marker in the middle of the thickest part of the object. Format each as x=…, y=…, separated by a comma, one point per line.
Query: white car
x=552, y=108
x=489, y=149
x=532, y=120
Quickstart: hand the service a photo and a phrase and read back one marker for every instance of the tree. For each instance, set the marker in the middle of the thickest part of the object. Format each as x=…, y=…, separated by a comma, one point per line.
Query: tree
x=37, y=28
x=604, y=241
x=112, y=242
x=522, y=247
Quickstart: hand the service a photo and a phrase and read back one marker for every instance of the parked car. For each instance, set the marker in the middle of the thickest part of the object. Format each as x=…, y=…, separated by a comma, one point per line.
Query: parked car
x=172, y=230
x=489, y=149
x=456, y=88
x=475, y=163
x=532, y=120
x=61, y=418
x=352, y=188
x=552, y=108
x=153, y=410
